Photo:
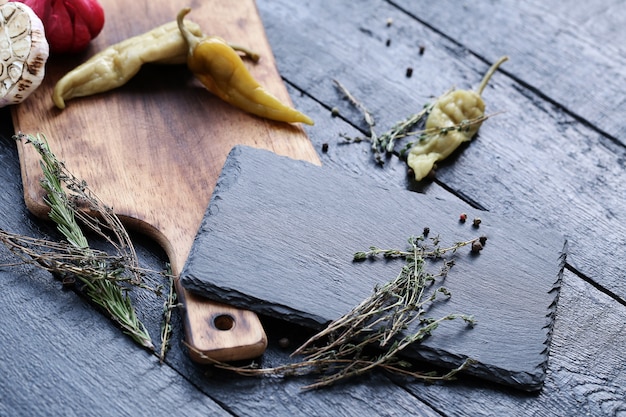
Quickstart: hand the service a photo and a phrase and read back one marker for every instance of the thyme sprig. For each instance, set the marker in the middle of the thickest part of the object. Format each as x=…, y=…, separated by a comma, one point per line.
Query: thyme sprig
x=171, y=302
x=380, y=320
x=373, y=334
x=384, y=144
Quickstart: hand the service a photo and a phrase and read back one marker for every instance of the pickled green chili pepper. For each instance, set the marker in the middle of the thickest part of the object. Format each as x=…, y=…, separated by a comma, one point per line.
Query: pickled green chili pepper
x=221, y=70
x=117, y=64
x=454, y=118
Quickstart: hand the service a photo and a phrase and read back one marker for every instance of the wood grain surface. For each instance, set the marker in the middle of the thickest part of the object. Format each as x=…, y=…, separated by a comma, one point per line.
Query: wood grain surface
x=153, y=149
x=554, y=157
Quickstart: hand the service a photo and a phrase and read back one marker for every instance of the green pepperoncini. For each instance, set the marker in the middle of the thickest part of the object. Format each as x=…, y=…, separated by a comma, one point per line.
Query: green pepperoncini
x=454, y=118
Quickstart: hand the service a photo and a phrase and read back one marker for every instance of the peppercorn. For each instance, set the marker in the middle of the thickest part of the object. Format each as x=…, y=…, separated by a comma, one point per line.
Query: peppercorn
x=476, y=246
x=284, y=342
x=462, y=217
x=476, y=222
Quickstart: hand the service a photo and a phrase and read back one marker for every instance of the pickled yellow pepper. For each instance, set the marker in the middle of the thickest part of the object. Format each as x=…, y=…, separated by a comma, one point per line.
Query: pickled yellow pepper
x=454, y=118
x=221, y=70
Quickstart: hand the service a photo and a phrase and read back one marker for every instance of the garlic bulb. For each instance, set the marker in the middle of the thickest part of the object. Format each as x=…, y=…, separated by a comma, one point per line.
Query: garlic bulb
x=23, y=52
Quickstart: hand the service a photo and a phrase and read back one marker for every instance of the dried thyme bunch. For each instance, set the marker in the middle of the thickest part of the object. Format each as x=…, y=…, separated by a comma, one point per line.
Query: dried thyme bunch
x=373, y=334
x=380, y=320
x=106, y=278
x=452, y=119
x=384, y=144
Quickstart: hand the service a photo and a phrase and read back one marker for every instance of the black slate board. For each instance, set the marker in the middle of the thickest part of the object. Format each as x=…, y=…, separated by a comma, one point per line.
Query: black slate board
x=279, y=235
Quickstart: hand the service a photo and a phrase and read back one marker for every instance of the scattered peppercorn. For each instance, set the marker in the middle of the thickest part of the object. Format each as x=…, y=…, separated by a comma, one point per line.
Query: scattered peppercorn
x=476, y=222
x=388, y=42
x=334, y=112
x=422, y=48
x=482, y=240
x=463, y=217
x=426, y=231
x=389, y=21
x=476, y=246
x=324, y=147
x=409, y=72
x=284, y=342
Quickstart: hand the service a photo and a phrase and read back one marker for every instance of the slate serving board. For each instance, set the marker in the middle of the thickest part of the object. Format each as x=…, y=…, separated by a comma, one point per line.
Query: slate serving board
x=279, y=236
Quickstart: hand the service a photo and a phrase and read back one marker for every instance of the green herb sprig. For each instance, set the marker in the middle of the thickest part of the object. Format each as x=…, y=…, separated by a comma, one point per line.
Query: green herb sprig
x=372, y=335
x=384, y=144
x=171, y=302
x=104, y=277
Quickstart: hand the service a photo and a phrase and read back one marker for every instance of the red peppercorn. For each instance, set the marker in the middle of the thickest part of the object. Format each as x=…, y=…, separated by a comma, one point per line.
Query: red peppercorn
x=463, y=217
x=69, y=24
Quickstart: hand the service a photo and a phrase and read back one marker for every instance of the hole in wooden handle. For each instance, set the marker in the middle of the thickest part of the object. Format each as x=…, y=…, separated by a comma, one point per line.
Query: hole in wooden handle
x=224, y=322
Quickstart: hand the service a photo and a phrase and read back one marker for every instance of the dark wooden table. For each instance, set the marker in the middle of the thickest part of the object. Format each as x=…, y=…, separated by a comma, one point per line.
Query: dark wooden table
x=555, y=157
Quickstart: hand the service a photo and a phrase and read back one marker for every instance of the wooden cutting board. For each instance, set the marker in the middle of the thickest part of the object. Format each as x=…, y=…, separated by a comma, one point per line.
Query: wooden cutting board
x=300, y=224
x=153, y=149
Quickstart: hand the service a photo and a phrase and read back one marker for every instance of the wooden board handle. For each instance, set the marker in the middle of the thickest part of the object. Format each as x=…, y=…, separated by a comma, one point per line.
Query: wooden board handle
x=154, y=148
x=220, y=332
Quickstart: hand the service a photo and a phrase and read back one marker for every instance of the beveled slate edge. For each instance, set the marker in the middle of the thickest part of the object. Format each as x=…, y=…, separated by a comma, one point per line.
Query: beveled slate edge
x=526, y=379
x=235, y=298
x=229, y=296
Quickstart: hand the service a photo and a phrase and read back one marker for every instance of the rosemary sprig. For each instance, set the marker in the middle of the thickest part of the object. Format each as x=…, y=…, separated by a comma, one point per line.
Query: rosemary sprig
x=99, y=273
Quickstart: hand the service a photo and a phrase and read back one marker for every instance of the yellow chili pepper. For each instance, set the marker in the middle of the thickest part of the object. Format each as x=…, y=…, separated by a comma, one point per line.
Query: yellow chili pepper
x=454, y=118
x=221, y=70
x=115, y=65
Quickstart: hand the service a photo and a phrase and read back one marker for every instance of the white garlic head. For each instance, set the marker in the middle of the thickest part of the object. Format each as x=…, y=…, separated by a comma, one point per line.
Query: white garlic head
x=23, y=52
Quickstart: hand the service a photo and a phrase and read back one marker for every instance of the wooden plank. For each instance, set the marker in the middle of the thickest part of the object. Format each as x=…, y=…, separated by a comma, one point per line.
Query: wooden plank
x=533, y=160
x=60, y=357
x=577, y=380
x=554, y=49
x=587, y=374
x=599, y=22
x=153, y=149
